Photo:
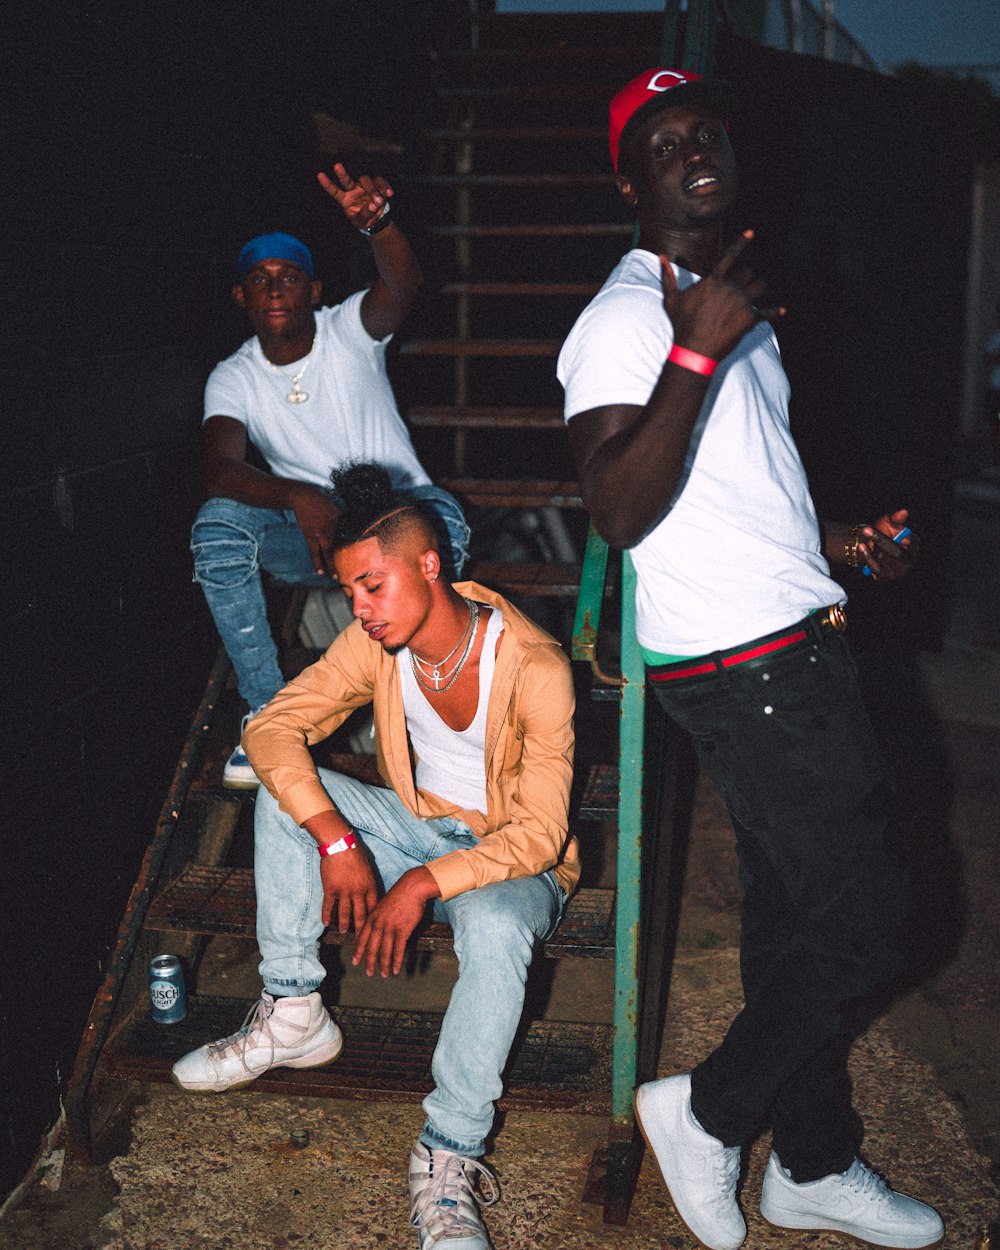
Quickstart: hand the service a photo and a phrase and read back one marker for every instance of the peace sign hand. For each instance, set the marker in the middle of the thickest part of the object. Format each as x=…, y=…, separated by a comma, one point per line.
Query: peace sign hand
x=361, y=199
x=712, y=316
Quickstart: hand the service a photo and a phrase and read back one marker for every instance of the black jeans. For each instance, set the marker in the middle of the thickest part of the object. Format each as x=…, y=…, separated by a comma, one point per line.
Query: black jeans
x=790, y=747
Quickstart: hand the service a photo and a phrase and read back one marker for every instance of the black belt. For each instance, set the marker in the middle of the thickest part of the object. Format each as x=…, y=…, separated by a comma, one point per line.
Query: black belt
x=832, y=617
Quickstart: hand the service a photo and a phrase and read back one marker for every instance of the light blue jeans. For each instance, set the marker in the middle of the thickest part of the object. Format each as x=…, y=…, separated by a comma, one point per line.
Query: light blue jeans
x=495, y=930
x=231, y=543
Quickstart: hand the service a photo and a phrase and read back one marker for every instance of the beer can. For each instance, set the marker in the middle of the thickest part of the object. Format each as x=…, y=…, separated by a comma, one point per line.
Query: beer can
x=166, y=989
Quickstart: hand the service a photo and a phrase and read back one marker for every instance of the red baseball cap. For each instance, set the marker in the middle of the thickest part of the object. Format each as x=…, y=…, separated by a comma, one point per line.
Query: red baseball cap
x=646, y=94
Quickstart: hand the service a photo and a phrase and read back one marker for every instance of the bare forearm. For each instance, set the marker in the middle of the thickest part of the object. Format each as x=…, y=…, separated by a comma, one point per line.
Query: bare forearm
x=629, y=481
x=235, y=479
x=326, y=827
x=397, y=264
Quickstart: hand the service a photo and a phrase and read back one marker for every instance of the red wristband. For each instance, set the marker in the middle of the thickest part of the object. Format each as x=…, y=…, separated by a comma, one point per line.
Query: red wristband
x=347, y=843
x=694, y=361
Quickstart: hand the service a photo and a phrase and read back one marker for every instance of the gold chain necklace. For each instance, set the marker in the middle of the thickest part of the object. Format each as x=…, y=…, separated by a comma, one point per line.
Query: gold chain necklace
x=435, y=675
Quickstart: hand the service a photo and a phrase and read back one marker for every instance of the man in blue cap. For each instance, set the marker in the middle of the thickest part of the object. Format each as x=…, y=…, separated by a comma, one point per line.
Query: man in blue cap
x=310, y=392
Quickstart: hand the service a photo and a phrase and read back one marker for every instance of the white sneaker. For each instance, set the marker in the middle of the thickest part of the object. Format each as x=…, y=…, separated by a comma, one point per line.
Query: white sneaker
x=857, y=1202
x=277, y=1033
x=238, y=773
x=700, y=1173
x=443, y=1208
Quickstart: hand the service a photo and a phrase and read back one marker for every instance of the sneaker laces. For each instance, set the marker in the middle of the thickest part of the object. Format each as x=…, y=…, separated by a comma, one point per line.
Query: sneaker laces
x=257, y=1021
x=866, y=1182
x=445, y=1207
x=726, y=1163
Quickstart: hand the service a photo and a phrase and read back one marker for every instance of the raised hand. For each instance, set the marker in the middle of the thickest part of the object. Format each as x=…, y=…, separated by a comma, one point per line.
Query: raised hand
x=362, y=200
x=712, y=316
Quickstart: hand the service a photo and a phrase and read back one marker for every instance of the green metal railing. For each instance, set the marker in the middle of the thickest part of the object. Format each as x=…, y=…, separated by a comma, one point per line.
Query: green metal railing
x=697, y=33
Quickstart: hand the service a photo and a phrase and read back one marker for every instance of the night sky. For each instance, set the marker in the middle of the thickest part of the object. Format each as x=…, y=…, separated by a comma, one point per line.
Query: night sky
x=933, y=32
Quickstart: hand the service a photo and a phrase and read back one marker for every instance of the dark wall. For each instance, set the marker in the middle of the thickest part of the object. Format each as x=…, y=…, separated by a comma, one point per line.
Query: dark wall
x=859, y=187
x=142, y=144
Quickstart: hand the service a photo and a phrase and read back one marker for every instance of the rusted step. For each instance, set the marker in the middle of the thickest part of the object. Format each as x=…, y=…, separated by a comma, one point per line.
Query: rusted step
x=529, y=493
x=599, y=92
x=481, y=347
x=386, y=1056
x=582, y=289
x=519, y=134
x=552, y=581
x=514, y=180
x=559, y=230
x=599, y=800
x=577, y=52
x=209, y=900
x=485, y=418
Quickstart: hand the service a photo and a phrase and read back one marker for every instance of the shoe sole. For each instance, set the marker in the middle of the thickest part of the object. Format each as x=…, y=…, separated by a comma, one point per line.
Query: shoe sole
x=649, y=1144
x=829, y=1228
x=231, y=783
x=306, y=1063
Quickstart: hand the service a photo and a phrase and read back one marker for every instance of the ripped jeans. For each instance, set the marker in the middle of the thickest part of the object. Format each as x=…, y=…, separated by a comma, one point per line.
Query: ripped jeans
x=231, y=543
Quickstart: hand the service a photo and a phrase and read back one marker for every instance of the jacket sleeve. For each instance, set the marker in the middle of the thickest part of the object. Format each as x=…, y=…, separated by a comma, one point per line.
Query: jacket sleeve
x=532, y=784
x=307, y=711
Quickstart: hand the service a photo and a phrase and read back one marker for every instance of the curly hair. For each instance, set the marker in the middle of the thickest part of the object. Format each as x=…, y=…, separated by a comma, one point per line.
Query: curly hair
x=373, y=509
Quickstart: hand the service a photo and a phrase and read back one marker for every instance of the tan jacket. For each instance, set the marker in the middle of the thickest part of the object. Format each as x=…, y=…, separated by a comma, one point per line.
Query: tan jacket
x=529, y=749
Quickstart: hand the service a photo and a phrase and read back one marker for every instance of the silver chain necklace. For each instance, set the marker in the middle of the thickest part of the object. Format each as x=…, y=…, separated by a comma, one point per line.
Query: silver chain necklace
x=435, y=675
x=296, y=395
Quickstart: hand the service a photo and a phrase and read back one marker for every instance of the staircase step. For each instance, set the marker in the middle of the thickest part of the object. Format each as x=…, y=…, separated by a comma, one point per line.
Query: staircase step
x=582, y=289
x=514, y=180
x=645, y=52
x=519, y=134
x=527, y=493
x=601, y=92
x=208, y=900
x=481, y=347
x=485, y=418
x=562, y=230
x=560, y=581
x=386, y=1056
x=599, y=800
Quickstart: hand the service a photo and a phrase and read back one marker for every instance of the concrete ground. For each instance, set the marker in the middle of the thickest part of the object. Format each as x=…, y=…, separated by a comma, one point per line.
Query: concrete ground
x=219, y=1171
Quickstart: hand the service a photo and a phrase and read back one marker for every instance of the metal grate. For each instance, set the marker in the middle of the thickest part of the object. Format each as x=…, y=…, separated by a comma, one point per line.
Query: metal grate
x=387, y=1054
x=221, y=901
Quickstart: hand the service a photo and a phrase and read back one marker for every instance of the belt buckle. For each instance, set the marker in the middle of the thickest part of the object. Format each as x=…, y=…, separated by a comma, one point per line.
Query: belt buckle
x=836, y=617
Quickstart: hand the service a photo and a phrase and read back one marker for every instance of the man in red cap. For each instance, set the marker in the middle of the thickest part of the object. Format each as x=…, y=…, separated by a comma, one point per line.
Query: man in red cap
x=678, y=418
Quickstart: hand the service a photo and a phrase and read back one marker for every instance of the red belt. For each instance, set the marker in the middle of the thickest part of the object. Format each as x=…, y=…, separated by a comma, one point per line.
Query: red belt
x=831, y=618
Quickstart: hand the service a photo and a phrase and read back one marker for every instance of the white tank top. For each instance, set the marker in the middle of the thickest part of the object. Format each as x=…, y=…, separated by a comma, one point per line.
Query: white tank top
x=451, y=764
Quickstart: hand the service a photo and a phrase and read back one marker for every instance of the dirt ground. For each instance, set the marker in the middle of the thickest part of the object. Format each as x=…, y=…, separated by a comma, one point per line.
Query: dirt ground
x=941, y=724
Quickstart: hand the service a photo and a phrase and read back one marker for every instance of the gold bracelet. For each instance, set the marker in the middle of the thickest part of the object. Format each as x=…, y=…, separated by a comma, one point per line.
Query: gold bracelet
x=852, y=556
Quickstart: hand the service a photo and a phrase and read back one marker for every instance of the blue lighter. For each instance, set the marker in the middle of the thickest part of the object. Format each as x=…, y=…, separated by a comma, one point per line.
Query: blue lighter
x=903, y=533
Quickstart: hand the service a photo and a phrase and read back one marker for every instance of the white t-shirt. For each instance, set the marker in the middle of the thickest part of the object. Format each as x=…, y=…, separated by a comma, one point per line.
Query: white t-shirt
x=451, y=763
x=350, y=414
x=738, y=554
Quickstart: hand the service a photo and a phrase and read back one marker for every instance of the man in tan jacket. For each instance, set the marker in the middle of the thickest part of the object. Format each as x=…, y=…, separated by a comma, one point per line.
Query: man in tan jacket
x=473, y=708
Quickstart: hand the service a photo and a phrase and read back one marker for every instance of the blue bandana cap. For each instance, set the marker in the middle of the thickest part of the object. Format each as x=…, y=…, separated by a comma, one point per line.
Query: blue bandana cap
x=275, y=246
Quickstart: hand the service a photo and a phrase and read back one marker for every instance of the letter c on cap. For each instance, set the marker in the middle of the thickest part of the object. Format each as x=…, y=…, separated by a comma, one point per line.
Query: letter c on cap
x=675, y=80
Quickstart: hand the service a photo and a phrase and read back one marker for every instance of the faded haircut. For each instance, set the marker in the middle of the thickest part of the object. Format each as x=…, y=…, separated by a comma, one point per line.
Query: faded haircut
x=371, y=508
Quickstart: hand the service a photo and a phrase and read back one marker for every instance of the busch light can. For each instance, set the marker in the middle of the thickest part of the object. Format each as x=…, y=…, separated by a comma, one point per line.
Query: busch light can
x=166, y=989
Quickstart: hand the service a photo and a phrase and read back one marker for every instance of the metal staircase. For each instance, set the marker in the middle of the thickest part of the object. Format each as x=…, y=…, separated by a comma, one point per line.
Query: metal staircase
x=521, y=232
